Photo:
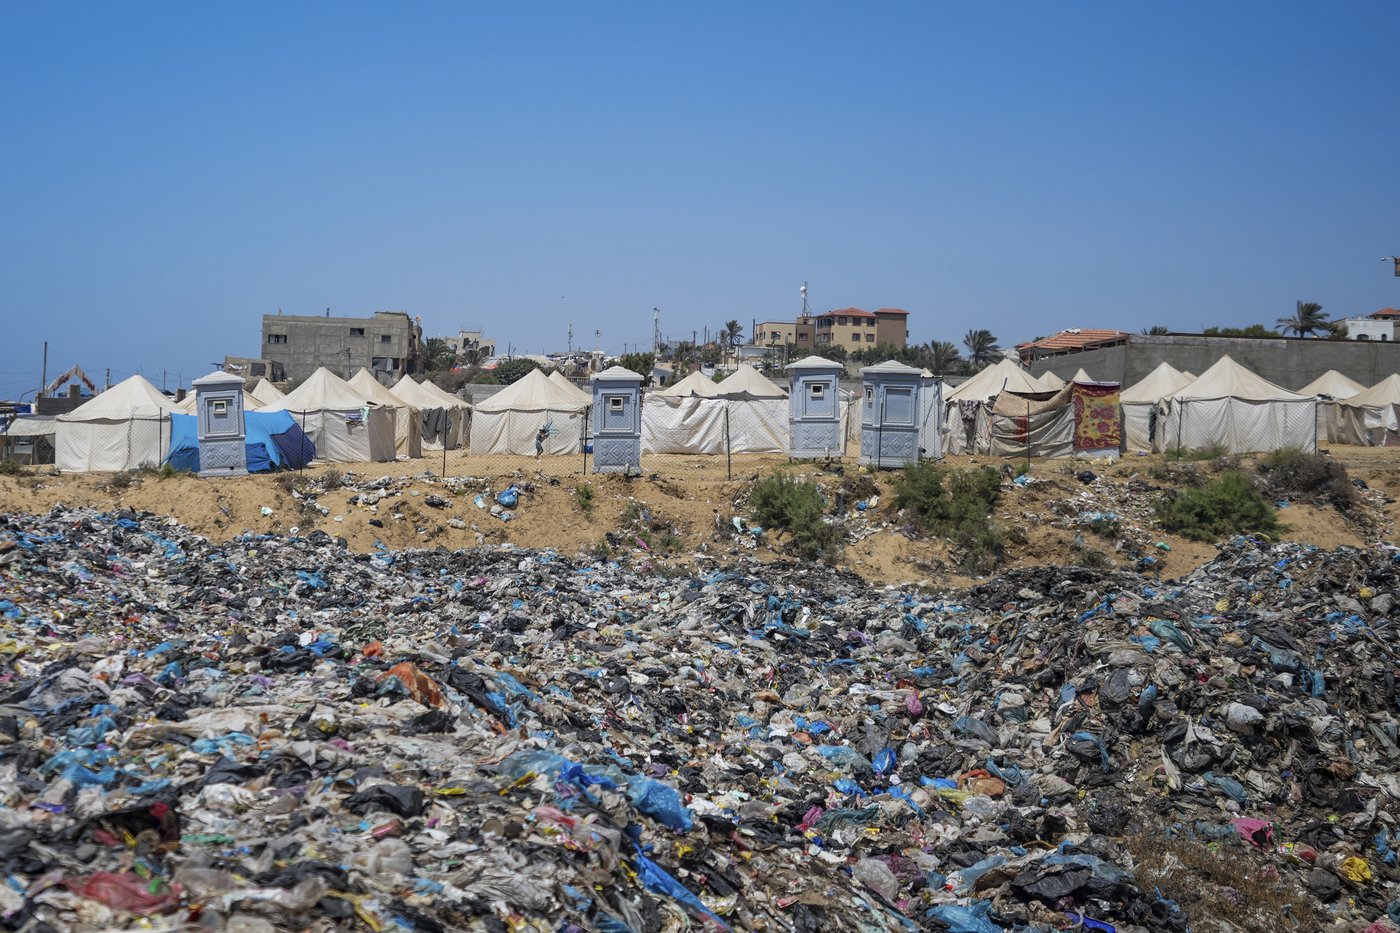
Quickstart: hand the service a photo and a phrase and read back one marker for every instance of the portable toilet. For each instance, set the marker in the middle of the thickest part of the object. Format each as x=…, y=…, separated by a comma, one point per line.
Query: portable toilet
x=617, y=421
x=219, y=409
x=814, y=409
x=930, y=416
x=890, y=414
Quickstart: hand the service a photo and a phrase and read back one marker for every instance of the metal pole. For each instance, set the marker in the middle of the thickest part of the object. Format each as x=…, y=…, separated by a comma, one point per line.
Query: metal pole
x=583, y=441
x=44, y=376
x=728, y=445
x=444, y=455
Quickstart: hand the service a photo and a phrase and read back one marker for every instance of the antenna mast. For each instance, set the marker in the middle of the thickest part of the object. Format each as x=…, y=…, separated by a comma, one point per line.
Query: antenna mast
x=656, y=332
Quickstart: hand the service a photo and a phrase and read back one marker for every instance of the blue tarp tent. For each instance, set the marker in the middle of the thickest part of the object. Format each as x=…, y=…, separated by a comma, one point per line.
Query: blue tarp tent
x=274, y=441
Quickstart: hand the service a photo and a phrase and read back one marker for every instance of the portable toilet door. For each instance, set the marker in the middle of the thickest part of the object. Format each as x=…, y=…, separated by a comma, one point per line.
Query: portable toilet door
x=931, y=416
x=890, y=415
x=617, y=421
x=814, y=409
x=222, y=432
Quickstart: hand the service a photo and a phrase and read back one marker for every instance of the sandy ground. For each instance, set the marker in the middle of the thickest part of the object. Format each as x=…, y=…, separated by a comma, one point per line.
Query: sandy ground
x=682, y=495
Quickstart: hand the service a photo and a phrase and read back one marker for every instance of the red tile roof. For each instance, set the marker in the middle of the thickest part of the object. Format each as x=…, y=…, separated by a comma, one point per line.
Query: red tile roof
x=847, y=312
x=1386, y=313
x=1078, y=338
x=892, y=311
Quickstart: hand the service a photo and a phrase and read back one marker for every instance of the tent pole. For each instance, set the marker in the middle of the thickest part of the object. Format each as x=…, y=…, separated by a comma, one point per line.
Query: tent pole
x=1028, y=435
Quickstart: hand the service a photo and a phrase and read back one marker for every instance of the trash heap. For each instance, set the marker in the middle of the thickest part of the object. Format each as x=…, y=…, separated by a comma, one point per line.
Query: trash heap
x=276, y=733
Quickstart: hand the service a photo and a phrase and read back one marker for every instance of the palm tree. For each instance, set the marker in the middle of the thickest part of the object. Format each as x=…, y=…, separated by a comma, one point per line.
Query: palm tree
x=981, y=346
x=943, y=356
x=473, y=356
x=439, y=354
x=1156, y=330
x=1307, y=319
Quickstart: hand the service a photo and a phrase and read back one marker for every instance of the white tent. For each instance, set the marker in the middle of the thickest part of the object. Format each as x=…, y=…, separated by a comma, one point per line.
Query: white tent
x=696, y=384
x=1334, y=385
x=437, y=391
x=1332, y=424
x=344, y=425
x=1370, y=417
x=408, y=431
x=747, y=383
x=1081, y=377
x=1050, y=381
x=1229, y=407
x=562, y=381
x=965, y=421
x=1140, y=400
x=506, y=423
x=186, y=406
x=266, y=393
x=441, y=421
x=127, y=426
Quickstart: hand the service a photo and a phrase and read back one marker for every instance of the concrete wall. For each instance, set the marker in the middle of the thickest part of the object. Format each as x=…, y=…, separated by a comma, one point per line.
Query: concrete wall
x=1291, y=362
x=313, y=342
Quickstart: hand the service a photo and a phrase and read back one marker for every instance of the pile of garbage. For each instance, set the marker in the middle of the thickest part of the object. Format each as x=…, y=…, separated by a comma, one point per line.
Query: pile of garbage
x=277, y=733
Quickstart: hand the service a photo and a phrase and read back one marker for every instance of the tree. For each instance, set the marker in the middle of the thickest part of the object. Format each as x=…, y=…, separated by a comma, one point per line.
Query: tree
x=943, y=356
x=513, y=370
x=732, y=329
x=1307, y=319
x=472, y=356
x=1156, y=330
x=640, y=363
x=438, y=354
x=835, y=352
x=982, y=348
x=1253, y=330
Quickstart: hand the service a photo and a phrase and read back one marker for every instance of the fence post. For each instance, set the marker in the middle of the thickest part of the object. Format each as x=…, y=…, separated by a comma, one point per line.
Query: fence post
x=728, y=446
x=583, y=441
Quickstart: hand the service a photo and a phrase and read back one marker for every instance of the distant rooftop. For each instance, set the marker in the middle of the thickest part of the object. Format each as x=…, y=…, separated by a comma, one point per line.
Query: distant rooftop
x=1076, y=338
x=1386, y=313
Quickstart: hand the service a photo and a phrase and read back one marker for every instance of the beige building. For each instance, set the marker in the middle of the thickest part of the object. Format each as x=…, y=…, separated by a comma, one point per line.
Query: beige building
x=775, y=333
x=855, y=329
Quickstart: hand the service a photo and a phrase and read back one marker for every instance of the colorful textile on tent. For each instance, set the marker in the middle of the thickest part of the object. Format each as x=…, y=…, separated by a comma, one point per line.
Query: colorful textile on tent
x=273, y=440
x=1096, y=422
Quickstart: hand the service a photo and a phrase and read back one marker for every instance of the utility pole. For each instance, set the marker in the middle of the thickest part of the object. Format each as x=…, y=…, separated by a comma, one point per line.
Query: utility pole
x=571, y=338
x=655, y=332
x=44, y=373
x=107, y=380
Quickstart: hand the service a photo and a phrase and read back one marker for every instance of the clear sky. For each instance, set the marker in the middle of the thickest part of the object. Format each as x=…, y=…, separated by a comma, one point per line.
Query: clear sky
x=171, y=171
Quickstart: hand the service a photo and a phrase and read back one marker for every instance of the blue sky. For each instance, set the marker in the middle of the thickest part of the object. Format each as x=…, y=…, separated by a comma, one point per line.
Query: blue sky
x=171, y=171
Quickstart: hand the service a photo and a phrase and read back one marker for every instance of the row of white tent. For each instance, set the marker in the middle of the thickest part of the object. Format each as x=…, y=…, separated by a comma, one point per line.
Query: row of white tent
x=128, y=425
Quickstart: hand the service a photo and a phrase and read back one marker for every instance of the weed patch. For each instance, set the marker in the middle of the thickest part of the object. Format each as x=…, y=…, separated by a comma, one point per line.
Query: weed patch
x=779, y=501
x=957, y=505
x=1221, y=890
x=1296, y=474
x=1228, y=505
x=584, y=493
x=10, y=468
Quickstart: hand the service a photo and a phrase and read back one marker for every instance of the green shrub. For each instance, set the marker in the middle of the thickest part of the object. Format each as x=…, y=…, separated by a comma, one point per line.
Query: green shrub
x=957, y=505
x=585, y=498
x=9, y=468
x=1228, y=505
x=779, y=501
x=1293, y=473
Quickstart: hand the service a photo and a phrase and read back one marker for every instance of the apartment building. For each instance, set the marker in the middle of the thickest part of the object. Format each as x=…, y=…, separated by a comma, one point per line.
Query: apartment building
x=854, y=329
x=387, y=343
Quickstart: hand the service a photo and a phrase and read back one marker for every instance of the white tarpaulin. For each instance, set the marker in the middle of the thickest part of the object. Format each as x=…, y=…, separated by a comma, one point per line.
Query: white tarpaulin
x=126, y=427
x=506, y=423
x=344, y=425
x=1140, y=400
x=1232, y=408
x=441, y=422
x=697, y=425
x=408, y=431
x=1050, y=381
